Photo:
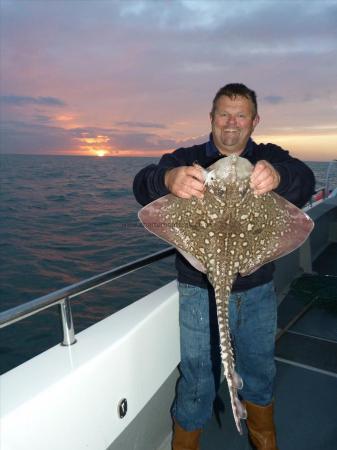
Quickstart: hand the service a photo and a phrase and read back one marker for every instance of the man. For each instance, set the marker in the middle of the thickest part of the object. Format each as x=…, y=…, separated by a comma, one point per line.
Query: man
x=252, y=309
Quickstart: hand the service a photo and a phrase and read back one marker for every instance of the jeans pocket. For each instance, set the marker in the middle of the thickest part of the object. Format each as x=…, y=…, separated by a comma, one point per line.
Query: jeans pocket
x=187, y=291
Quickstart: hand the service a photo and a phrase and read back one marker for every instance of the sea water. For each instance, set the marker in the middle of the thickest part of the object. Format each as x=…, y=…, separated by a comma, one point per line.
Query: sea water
x=64, y=219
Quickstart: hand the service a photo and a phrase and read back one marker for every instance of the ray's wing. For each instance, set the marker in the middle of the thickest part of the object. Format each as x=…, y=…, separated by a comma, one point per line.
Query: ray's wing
x=269, y=227
x=177, y=221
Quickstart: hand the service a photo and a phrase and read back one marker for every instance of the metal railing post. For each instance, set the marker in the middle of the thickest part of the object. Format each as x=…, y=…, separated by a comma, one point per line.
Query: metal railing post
x=67, y=322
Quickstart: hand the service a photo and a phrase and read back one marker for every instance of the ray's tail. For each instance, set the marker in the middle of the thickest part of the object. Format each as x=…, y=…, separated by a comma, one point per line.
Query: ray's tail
x=234, y=380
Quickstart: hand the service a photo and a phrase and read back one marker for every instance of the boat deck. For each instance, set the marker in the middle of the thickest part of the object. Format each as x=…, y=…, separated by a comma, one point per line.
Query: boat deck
x=306, y=358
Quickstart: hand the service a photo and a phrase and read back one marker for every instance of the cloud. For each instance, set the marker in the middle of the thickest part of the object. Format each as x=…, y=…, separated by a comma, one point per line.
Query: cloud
x=141, y=124
x=273, y=99
x=119, y=139
x=23, y=100
x=41, y=118
x=26, y=138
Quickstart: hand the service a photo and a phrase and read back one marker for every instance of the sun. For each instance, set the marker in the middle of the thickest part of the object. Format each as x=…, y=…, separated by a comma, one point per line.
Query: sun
x=101, y=153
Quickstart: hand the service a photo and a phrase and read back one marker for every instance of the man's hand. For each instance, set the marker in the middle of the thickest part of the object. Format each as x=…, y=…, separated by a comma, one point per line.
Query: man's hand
x=185, y=181
x=264, y=178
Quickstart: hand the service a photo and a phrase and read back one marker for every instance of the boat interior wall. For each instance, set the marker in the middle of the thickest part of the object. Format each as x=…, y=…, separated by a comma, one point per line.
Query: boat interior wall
x=76, y=390
x=300, y=261
x=325, y=231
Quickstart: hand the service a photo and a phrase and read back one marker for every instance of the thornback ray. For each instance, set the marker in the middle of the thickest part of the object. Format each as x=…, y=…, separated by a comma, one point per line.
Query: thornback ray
x=230, y=231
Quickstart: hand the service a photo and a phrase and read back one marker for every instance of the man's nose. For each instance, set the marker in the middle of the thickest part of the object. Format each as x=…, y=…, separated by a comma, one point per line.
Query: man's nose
x=231, y=120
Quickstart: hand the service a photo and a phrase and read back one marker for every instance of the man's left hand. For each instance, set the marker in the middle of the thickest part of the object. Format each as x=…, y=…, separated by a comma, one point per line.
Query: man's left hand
x=264, y=178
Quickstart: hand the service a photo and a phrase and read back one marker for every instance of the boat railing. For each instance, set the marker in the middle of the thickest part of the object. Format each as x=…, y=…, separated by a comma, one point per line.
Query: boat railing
x=63, y=296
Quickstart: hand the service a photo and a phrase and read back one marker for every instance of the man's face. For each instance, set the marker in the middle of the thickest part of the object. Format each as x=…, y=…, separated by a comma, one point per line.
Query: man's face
x=232, y=124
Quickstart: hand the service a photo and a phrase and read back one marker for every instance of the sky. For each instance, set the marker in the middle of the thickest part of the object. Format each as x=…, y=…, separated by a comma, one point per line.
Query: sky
x=137, y=77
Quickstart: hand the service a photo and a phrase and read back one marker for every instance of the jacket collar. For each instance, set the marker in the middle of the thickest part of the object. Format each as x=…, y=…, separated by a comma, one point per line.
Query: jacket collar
x=212, y=150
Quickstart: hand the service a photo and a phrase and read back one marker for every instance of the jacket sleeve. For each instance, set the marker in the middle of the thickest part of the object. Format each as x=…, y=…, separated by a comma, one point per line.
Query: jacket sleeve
x=297, y=181
x=148, y=184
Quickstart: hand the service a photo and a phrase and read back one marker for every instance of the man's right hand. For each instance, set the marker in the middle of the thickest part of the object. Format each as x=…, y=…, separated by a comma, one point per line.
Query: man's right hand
x=185, y=181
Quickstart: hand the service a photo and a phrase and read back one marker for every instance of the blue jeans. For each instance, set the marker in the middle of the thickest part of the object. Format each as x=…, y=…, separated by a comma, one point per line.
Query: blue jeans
x=252, y=319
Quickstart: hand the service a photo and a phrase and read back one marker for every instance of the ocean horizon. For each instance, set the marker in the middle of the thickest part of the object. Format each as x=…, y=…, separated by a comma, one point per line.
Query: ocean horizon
x=120, y=155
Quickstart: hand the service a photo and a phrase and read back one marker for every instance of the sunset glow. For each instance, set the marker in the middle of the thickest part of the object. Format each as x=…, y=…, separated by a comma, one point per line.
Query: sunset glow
x=98, y=145
x=138, y=78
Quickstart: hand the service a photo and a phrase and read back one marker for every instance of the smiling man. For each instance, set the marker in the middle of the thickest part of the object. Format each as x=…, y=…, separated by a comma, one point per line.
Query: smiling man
x=253, y=307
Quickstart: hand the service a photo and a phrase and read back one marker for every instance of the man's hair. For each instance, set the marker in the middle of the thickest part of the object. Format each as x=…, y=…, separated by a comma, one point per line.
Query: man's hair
x=233, y=90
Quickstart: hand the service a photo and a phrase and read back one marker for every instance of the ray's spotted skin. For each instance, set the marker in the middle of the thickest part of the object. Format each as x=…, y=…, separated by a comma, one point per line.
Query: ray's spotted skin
x=230, y=230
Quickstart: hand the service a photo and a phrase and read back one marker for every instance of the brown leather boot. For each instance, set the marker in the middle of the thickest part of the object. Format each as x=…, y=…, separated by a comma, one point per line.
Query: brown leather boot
x=185, y=440
x=261, y=427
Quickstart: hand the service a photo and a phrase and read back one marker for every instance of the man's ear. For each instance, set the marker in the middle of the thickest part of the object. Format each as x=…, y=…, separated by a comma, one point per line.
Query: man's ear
x=256, y=120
